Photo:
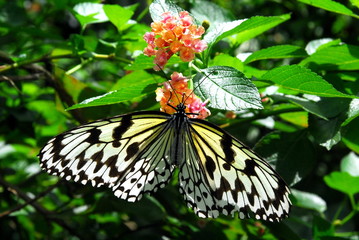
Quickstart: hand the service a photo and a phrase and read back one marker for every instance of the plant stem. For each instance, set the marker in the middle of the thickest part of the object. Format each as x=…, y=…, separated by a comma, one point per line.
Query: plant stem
x=8, y=67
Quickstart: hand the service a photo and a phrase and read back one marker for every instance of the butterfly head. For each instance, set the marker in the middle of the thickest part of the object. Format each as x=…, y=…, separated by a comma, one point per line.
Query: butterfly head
x=176, y=97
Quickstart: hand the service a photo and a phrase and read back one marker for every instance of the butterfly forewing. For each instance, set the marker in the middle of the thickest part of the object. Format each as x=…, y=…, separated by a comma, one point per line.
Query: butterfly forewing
x=127, y=153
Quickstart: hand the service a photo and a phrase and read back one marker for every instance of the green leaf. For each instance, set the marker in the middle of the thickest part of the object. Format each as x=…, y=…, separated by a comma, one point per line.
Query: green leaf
x=326, y=132
x=331, y=6
x=144, y=62
x=309, y=201
x=350, y=164
x=322, y=228
x=73, y=86
x=276, y=52
x=355, y=3
x=292, y=153
x=227, y=88
x=141, y=62
x=322, y=107
x=343, y=182
x=89, y=13
x=219, y=31
x=296, y=118
x=227, y=60
x=158, y=7
x=302, y=80
x=342, y=57
x=255, y=26
x=136, y=84
x=350, y=135
x=318, y=44
x=353, y=112
x=118, y=15
x=217, y=14
x=244, y=29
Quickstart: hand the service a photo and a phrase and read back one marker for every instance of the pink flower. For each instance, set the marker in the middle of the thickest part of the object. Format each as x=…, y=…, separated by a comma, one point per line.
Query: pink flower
x=186, y=54
x=149, y=37
x=198, y=45
x=174, y=34
x=176, y=91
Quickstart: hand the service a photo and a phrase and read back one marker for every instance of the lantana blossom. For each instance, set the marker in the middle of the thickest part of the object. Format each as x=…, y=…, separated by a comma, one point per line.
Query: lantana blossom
x=174, y=34
x=175, y=91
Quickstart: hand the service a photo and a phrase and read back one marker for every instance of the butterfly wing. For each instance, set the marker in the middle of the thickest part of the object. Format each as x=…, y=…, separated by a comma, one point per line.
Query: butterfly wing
x=221, y=175
x=128, y=153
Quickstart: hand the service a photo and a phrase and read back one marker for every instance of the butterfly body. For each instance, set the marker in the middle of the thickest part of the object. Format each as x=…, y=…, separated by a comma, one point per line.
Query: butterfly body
x=137, y=153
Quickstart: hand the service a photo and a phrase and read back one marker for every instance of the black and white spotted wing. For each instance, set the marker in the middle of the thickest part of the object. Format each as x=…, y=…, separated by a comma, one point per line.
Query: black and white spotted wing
x=136, y=153
x=221, y=175
x=128, y=153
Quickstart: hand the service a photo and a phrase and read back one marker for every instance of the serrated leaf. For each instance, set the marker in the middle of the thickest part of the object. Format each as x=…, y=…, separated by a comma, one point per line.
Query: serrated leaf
x=309, y=201
x=219, y=31
x=136, y=84
x=343, y=182
x=350, y=164
x=257, y=25
x=331, y=6
x=318, y=44
x=158, y=7
x=342, y=57
x=277, y=52
x=114, y=11
x=227, y=88
x=244, y=29
x=303, y=80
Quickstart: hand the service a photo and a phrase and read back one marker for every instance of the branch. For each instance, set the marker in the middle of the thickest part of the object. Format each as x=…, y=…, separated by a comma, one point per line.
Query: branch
x=11, y=188
x=39, y=208
x=64, y=96
x=30, y=77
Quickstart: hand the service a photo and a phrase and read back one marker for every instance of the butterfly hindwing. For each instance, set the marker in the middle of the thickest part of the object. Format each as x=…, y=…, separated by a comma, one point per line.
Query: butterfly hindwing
x=230, y=177
x=128, y=153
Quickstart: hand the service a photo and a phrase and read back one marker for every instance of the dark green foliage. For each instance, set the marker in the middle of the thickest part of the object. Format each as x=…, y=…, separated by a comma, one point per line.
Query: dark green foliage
x=303, y=61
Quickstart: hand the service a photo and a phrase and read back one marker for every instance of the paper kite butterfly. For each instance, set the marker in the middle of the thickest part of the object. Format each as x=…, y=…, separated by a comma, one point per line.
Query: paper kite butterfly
x=137, y=153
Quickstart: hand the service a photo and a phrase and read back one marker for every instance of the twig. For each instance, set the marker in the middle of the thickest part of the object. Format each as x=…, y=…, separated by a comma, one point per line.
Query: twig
x=64, y=96
x=30, y=77
x=39, y=208
x=29, y=202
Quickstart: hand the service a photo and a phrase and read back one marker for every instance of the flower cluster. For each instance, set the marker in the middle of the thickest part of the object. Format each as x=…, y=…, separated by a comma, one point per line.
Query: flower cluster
x=174, y=35
x=174, y=91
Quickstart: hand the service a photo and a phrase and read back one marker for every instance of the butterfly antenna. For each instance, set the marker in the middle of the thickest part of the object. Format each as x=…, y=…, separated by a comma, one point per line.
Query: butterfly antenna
x=166, y=77
x=206, y=76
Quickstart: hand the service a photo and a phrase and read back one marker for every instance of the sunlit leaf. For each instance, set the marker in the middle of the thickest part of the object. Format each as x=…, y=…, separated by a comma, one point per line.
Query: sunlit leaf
x=277, y=52
x=303, y=80
x=332, y=6
x=227, y=88
x=343, y=182
x=309, y=201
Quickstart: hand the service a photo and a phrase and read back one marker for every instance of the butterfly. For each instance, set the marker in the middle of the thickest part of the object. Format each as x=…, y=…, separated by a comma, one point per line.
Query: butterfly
x=137, y=153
